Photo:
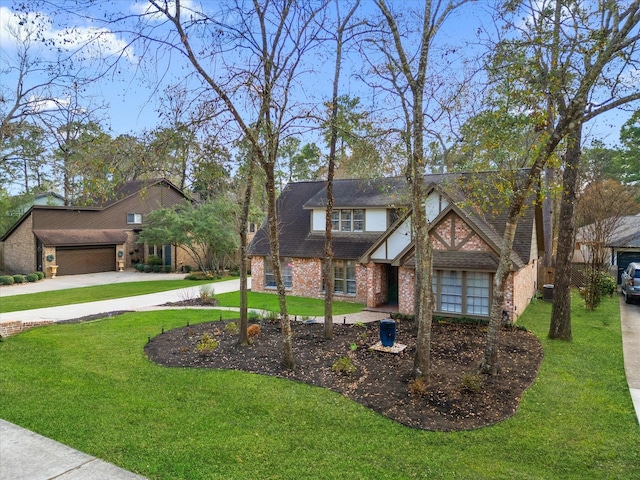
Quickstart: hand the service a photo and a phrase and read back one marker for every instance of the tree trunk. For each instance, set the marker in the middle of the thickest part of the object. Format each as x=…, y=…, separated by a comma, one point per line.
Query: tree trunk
x=287, y=338
x=244, y=220
x=490, y=362
x=560, y=326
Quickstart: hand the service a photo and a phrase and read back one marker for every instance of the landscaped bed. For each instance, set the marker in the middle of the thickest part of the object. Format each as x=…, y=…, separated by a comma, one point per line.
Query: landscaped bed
x=458, y=397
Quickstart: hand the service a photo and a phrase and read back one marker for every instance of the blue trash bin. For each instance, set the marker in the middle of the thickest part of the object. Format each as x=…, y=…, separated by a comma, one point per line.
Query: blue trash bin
x=387, y=332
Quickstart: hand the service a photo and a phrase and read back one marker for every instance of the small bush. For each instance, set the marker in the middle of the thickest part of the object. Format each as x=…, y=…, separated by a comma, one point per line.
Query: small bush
x=607, y=284
x=32, y=277
x=253, y=330
x=418, y=387
x=343, y=365
x=231, y=327
x=167, y=269
x=187, y=268
x=140, y=267
x=147, y=269
x=157, y=268
x=154, y=260
x=472, y=381
x=207, y=344
x=207, y=293
x=41, y=275
x=6, y=280
x=18, y=278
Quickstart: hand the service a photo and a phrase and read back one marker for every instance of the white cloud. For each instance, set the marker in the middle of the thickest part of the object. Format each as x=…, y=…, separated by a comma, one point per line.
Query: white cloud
x=89, y=42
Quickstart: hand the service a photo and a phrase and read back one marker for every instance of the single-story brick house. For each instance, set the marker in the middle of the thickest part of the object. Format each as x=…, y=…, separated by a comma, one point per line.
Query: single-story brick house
x=88, y=239
x=374, y=259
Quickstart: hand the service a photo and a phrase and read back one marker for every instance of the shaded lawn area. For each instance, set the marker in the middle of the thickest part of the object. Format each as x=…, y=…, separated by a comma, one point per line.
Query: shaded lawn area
x=90, y=386
x=94, y=293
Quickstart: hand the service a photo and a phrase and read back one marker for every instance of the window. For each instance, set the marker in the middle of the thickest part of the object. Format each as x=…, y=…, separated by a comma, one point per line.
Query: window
x=462, y=292
x=285, y=270
x=344, y=277
x=134, y=218
x=451, y=291
x=478, y=293
x=347, y=220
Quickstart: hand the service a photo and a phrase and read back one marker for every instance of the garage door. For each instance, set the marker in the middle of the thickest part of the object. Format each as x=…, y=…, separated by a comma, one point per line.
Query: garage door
x=624, y=259
x=76, y=260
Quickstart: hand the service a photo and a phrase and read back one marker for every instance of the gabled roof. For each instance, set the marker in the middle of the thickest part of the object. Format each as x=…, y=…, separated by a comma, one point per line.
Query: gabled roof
x=129, y=189
x=296, y=201
x=625, y=235
x=122, y=192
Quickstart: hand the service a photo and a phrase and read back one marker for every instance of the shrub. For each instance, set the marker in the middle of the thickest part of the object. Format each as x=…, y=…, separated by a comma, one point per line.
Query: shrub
x=207, y=293
x=343, y=365
x=418, y=387
x=167, y=269
x=157, y=268
x=187, y=268
x=32, y=277
x=140, y=267
x=18, y=278
x=472, y=381
x=147, y=269
x=607, y=284
x=41, y=275
x=207, y=344
x=154, y=260
x=253, y=330
x=231, y=327
x=6, y=280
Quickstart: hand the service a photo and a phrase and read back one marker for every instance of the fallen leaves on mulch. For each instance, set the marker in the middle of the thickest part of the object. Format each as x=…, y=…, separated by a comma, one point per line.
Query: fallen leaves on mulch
x=457, y=398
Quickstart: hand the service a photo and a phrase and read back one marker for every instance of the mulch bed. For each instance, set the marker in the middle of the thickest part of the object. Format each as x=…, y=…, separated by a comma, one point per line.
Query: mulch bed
x=457, y=398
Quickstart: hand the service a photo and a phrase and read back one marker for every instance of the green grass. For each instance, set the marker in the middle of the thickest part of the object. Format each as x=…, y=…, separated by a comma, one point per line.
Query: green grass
x=90, y=386
x=95, y=293
x=299, y=306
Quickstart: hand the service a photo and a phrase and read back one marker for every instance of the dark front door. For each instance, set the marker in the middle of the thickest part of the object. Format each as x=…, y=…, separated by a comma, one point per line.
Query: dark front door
x=392, y=285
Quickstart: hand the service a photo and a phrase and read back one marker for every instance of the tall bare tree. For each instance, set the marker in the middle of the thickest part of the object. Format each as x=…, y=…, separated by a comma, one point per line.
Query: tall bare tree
x=261, y=46
x=406, y=71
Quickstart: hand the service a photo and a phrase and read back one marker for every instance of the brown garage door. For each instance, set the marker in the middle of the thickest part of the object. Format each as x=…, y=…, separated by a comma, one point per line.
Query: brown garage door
x=76, y=260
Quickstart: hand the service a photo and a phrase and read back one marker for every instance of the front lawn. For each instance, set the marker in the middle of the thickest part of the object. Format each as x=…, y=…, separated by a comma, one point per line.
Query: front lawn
x=90, y=386
x=95, y=293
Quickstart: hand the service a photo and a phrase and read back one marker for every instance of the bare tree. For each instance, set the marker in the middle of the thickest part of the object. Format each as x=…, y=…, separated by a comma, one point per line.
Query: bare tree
x=405, y=68
x=251, y=66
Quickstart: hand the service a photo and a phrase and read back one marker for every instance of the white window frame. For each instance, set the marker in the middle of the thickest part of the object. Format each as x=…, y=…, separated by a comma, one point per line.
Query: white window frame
x=136, y=218
x=348, y=220
x=462, y=292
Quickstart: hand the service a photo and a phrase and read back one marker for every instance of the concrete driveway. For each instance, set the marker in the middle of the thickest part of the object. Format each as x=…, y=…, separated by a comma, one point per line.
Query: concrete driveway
x=630, y=324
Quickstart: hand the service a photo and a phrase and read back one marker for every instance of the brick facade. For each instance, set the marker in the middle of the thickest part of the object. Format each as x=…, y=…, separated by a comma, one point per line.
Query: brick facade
x=20, y=250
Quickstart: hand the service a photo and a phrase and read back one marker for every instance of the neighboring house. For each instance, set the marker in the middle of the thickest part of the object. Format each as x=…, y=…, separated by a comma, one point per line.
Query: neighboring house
x=374, y=259
x=623, y=245
x=91, y=239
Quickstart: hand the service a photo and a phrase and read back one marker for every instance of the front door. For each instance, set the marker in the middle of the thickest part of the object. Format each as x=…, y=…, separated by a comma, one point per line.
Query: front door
x=167, y=255
x=392, y=285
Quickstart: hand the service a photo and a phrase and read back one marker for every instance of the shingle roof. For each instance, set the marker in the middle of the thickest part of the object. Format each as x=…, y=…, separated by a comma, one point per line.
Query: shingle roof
x=296, y=201
x=80, y=237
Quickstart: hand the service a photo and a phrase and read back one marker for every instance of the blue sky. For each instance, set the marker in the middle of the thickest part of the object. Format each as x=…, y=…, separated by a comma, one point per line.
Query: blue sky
x=132, y=88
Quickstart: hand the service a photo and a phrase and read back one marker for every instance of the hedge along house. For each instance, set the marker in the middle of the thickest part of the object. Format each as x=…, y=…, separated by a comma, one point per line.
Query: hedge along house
x=98, y=238
x=373, y=247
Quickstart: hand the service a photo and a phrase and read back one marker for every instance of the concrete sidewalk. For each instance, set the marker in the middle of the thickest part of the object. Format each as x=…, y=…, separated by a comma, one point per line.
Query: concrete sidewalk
x=25, y=455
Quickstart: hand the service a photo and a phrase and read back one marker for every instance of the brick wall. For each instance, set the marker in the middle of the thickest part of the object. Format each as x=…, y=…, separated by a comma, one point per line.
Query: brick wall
x=13, y=327
x=406, y=290
x=524, y=283
x=22, y=247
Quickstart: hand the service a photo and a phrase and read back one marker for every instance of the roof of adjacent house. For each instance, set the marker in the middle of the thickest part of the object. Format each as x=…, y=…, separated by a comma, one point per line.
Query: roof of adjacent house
x=626, y=232
x=297, y=200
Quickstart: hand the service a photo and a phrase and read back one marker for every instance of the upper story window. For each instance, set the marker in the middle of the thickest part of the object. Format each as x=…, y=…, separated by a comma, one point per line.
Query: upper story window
x=348, y=220
x=134, y=218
